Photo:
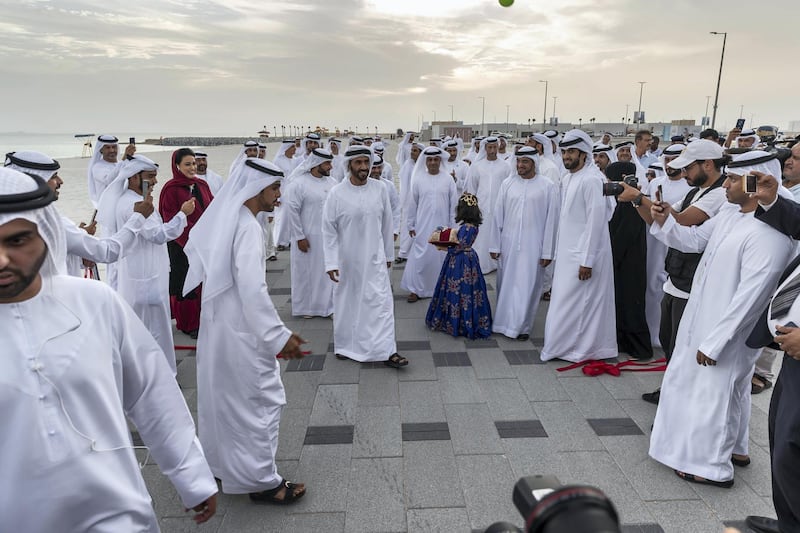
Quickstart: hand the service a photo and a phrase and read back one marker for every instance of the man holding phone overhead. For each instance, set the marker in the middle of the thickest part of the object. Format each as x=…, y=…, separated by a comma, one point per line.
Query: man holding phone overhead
x=143, y=274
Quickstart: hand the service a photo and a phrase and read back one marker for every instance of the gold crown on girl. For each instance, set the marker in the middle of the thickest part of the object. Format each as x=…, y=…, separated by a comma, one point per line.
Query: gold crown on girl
x=469, y=199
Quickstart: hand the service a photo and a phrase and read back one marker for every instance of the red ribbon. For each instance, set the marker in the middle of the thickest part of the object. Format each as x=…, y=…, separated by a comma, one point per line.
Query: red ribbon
x=596, y=368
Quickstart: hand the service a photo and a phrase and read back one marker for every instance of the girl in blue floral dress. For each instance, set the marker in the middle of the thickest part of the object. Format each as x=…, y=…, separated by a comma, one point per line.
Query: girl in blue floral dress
x=460, y=305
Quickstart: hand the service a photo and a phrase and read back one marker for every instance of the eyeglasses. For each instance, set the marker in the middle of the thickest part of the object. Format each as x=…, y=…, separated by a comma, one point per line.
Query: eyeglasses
x=690, y=165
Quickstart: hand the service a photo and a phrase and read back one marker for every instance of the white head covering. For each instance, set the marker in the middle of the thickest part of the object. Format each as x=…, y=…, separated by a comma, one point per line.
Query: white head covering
x=755, y=160
x=578, y=139
x=547, y=146
x=241, y=156
x=107, y=205
x=658, y=166
x=482, y=150
x=376, y=161
x=97, y=156
x=430, y=151
x=32, y=162
x=337, y=142
x=210, y=243
x=600, y=148
x=315, y=158
x=35, y=199
x=378, y=147
x=285, y=145
x=528, y=152
x=402, y=150
x=310, y=137
x=748, y=134
x=355, y=151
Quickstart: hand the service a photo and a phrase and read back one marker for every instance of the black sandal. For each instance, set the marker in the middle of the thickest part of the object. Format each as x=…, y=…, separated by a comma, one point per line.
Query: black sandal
x=268, y=496
x=740, y=462
x=757, y=388
x=396, y=361
x=341, y=357
x=702, y=481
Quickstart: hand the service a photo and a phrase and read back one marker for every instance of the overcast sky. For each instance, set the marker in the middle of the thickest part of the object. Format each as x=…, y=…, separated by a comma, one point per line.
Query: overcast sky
x=232, y=66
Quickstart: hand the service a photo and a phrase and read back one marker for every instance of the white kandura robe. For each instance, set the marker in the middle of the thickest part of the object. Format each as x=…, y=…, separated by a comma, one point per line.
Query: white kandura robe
x=404, y=175
x=704, y=411
x=358, y=240
x=101, y=174
x=143, y=274
x=312, y=289
x=394, y=201
x=523, y=232
x=484, y=182
x=581, y=321
x=432, y=203
x=674, y=192
x=77, y=359
x=81, y=245
x=239, y=389
x=213, y=179
x=459, y=170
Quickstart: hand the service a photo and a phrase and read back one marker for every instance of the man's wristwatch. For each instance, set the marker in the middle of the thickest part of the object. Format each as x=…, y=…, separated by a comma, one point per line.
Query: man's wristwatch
x=638, y=200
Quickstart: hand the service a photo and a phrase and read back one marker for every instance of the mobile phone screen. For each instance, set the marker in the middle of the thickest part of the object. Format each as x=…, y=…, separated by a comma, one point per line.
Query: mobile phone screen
x=750, y=182
x=659, y=193
x=739, y=123
x=145, y=188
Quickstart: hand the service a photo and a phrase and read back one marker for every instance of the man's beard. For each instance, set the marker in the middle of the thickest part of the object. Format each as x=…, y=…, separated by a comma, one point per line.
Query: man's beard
x=700, y=180
x=672, y=172
x=25, y=278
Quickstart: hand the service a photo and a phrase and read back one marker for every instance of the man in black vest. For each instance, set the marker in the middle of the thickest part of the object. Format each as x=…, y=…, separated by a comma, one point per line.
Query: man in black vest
x=784, y=409
x=701, y=164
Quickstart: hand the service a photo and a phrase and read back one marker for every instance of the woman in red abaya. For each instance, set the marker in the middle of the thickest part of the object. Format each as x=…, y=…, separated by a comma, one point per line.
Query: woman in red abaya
x=183, y=186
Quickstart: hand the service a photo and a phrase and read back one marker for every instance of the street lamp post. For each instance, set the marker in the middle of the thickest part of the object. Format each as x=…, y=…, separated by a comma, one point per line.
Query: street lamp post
x=554, y=109
x=434, y=115
x=544, y=113
x=627, y=106
x=483, y=113
x=508, y=107
x=719, y=78
x=451, y=111
x=741, y=111
x=705, y=117
x=641, y=89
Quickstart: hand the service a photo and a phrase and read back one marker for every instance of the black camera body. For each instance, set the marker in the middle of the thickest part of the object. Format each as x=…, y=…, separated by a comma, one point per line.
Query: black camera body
x=613, y=188
x=549, y=507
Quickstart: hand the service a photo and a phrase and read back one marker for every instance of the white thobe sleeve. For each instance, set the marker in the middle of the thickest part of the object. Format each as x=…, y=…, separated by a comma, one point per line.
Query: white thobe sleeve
x=453, y=191
x=387, y=226
x=162, y=233
x=497, y=223
x=596, y=221
x=473, y=180
x=152, y=400
x=394, y=199
x=330, y=232
x=759, y=273
x=413, y=198
x=551, y=225
x=105, y=250
x=687, y=239
x=293, y=204
x=251, y=284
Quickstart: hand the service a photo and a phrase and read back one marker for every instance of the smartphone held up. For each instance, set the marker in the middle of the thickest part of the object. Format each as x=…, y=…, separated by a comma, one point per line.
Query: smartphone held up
x=750, y=183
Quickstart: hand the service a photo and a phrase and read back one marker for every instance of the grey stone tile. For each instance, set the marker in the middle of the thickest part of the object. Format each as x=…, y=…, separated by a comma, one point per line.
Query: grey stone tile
x=431, y=475
x=642, y=528
x=328, y=435
x=734, y=503
x=472, y=429
x=606, y=427
x=273, y=291
x=520, y=429
x=187, y=373
x=377, y=432
x=684, y=516
x=487, y=482
x=451, y=359
x=181, y=524
x=440, y=520
x=480, y=344
x=413, y=346
x=567, y=427
x=301, y=388
x=442, y=342
x=534, y=456
x=490, y=364
x=758, y=475
x=459, y=385
x=245, y=517
x=375, y=500
x=292, y=432
x=411, y=329
x=422, y=431
x=378, y=388
x=309, y=363
x=641, y=412
x=327, y=522
x=334, y=405
x=326, y=472
x=420, y=367
x=592, y=398
x=506, y=399
x=523, y=357
x=339, y=372
x=759, y=430
x=600, y=470
x=540, y=383
x=165, y=498
x=420, y=401
x=190, y=395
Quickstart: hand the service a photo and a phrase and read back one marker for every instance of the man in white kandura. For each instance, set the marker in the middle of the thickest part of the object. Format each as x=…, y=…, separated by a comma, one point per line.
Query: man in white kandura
x=581, y=321
x=431, y=204
x=213, y=179
x=78, y=364
x=701, y=426
x=359, y=248
x=376, y=173
x=404, y=174
x=523, y=242
x=485, y=175
x=312, y=290
x=103, y=165
x=143, y=274
x=240, y=395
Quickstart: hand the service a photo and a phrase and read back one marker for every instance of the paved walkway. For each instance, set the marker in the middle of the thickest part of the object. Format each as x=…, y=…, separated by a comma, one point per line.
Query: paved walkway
x=380, y=469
